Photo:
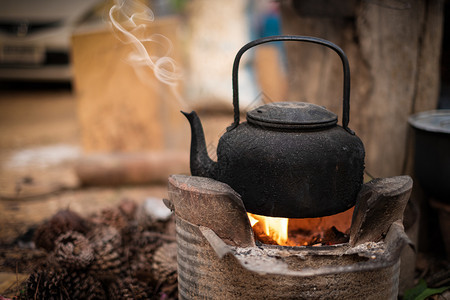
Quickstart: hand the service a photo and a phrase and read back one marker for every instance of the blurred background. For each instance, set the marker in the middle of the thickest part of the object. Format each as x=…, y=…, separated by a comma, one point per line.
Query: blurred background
x=91, y=92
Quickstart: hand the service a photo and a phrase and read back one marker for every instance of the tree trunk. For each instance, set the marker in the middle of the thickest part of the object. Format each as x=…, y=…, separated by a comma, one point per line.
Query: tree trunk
x=393, y=48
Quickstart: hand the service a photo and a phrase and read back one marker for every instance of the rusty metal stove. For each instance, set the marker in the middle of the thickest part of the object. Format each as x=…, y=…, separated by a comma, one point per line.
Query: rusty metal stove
x=219, y=259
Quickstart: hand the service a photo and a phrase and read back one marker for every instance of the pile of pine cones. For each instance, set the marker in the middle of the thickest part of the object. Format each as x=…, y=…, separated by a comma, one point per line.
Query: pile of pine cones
x=119, y=253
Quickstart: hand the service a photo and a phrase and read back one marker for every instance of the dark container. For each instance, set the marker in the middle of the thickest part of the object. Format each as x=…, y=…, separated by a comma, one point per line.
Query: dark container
x=432, y=152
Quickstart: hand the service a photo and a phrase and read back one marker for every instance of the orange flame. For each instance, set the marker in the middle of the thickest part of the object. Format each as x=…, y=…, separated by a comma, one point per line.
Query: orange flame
x=275, y=228
x=301, y=232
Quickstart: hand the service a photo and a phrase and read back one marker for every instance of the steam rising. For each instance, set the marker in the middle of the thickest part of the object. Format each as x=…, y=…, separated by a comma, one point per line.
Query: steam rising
x=131, y=21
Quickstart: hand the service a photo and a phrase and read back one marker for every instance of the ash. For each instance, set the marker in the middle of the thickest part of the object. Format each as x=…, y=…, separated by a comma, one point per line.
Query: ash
x=265, y=259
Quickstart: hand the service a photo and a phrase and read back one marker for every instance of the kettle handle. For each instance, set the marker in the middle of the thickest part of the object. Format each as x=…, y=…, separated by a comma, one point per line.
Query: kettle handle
x=339, y=51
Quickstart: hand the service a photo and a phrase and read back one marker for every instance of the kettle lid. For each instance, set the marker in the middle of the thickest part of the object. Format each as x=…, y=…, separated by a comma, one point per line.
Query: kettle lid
x=292, y=115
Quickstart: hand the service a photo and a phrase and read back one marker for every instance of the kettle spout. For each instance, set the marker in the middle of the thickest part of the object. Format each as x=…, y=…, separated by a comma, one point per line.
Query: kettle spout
x=200, y=162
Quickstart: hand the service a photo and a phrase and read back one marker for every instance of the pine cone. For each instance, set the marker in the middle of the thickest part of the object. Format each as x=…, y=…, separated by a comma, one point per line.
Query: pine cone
x=110, y=217
x=142, y=249
x=45, y=283
x=73, y=251
x=51, y=282
x=108, y=253
x=165, y=271
x=130, y=234
x=61, y=222
x=165, y=263
x=82, y=285
x=129, y=288
x=128, y=208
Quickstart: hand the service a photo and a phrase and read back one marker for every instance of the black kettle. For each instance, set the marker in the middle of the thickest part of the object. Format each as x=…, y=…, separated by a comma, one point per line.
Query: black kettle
x=290, y=159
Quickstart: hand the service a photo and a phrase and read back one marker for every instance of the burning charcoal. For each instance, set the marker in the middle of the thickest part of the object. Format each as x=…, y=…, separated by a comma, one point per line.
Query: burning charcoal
x=303, y=237
x=315, y=240
x=51, y=282
x=333, y=236
x=60, y=223
x=73, y=251
x=261, y=236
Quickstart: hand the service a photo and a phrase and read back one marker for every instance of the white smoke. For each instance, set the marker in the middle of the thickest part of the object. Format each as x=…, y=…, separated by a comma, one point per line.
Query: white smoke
x=131, y=21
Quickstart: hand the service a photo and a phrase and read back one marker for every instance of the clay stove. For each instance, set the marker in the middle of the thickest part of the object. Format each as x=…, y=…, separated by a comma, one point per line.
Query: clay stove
x=289, y=160
x=218, y=257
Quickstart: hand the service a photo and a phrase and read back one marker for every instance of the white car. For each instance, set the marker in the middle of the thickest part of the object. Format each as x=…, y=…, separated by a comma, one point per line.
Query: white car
x=35, y=37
